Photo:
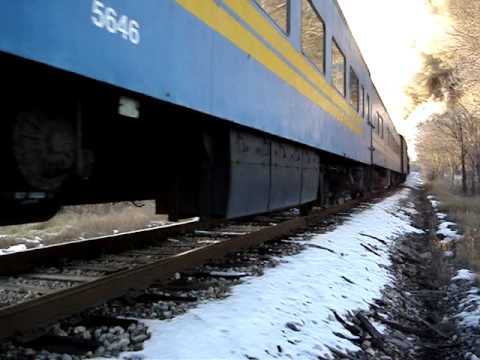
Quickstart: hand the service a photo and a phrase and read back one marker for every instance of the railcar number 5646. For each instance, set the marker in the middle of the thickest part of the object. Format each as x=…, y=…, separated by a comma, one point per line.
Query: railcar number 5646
x=108, y=18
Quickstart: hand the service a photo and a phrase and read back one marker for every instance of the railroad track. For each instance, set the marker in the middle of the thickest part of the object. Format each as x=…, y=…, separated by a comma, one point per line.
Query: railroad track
x=41, y=286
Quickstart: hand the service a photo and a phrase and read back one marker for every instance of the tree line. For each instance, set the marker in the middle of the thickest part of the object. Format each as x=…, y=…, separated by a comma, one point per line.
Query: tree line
x=448, y=143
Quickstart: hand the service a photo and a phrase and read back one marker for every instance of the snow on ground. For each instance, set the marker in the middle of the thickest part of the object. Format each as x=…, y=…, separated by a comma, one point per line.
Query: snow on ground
x=27, y=243
x=445, y=229
x=287, y=312
x=441, y=216
x=434, y=202
x=12, y=249
x=410, y=211
x=468, y=314
x=414, y=180
x=464, y=274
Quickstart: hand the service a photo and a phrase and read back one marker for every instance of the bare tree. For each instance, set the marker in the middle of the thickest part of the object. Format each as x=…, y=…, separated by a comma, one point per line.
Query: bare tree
x=437, y=148
x=465, y=41
x=450, y=142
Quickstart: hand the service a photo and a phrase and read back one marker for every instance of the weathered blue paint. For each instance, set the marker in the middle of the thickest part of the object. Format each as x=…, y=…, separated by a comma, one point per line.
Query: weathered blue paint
x=183, y=61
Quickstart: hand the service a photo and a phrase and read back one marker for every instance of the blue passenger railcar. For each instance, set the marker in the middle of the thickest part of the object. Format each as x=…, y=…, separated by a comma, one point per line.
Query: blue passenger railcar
x=215, y=107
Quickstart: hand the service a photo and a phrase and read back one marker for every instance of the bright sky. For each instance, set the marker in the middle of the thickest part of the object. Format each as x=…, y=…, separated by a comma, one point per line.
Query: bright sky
x=392, y=35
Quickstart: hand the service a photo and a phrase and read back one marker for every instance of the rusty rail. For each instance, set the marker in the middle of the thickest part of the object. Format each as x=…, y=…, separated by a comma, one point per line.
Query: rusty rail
x=21, y=319
x=24, y=261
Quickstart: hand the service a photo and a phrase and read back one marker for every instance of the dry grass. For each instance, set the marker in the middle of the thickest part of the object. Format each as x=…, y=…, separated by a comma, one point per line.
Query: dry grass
x=465, y=211
x=453, y=201
x=82, y=222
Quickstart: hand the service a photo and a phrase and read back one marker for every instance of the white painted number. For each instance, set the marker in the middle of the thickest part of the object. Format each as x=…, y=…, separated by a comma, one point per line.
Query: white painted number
x=107, y=18
x=97, y=13
x=122, y=26
x=134, y=32
x=110, y=20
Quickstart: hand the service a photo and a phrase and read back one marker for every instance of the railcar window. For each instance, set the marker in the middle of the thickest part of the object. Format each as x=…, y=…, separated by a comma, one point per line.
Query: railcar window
x=277, y=10
x=377, y=125
x=354, y=91
x=313, y=35
x=391, y=140
x=368, y=108
x=395, y=145
x=362, y=101
x=380, y=126
x=338, y=68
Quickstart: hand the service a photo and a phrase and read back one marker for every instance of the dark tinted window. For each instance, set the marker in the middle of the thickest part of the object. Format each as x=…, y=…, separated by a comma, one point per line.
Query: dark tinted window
x=354, y=91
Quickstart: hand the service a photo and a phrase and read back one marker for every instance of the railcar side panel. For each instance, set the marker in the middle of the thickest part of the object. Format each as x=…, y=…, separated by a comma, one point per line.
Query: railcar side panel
x=252, y=111
x=181, y=57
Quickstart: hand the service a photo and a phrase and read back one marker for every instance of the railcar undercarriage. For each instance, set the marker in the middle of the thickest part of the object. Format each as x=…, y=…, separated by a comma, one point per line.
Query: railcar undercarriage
x=67, y=140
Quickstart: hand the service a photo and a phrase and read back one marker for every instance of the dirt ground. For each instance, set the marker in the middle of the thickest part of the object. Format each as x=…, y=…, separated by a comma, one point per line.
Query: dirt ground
x=419, y=315
x=81, y=222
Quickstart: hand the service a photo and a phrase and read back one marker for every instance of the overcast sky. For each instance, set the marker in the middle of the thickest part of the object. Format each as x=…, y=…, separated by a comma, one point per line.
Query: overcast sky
x=392, y=35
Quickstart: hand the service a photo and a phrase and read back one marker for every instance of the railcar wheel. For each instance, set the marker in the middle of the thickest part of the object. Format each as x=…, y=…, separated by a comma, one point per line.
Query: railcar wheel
x=44, y=149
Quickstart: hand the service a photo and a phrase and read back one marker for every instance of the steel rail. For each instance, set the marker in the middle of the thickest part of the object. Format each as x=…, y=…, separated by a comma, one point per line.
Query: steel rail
x=23, y=318
x=24, y=261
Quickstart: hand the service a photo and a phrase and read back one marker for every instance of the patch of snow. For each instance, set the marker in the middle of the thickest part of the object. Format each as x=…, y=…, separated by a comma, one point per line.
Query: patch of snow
x=441, y=216
x=15, y=248
x=464, y=274
x=445, y=229
x=410, y=211
x=470, y=356
x=447, y=224
x=469, y=309
x=303, y=290
x=12, y=249
x=466, y=310
x=446, y=242
x=381, y=327
x=433, y=201
x=414, y=180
